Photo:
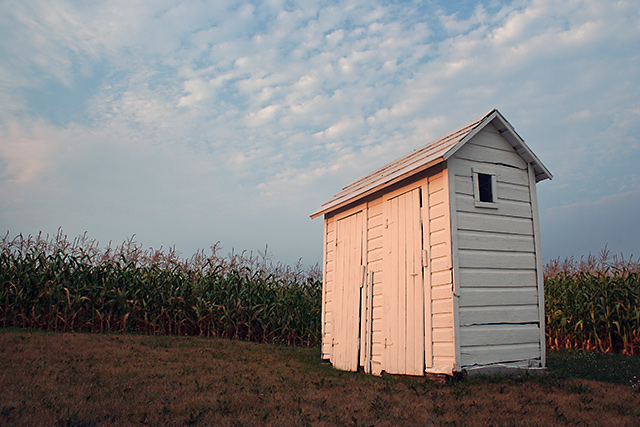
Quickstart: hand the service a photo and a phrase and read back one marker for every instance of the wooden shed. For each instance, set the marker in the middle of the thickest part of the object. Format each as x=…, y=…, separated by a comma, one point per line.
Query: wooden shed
x=432, y=263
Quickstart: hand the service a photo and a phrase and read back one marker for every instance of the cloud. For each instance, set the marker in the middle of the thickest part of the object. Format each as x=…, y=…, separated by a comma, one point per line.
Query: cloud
x=225, y=120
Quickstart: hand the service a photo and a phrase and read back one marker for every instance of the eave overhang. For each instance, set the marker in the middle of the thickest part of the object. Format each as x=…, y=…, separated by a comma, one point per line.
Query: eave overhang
x=429, y=155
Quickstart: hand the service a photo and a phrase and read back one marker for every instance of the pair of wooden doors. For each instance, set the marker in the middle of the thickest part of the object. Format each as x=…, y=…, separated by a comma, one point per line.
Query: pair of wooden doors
x=402, y=289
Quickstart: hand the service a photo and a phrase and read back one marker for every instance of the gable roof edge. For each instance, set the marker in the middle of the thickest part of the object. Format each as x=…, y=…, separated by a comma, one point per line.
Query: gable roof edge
x=429, y=155
x=509, y=133
x=483, y=122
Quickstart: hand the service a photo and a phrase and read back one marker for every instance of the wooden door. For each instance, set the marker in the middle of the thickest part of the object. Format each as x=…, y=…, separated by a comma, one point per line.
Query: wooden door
x=404, y=285
x=349, y=277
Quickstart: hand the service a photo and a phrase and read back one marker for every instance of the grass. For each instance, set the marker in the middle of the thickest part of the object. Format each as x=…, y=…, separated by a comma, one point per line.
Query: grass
x=596, y=366
x=74, y=379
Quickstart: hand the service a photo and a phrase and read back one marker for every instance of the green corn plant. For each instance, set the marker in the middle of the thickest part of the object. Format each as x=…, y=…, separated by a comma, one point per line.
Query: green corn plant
x=593, y=305
x=53, y=284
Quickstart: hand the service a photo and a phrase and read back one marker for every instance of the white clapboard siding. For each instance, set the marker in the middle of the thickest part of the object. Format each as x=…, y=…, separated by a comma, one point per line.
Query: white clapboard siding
x=494, y=223
x=478, y=150
x=498, y=314
x=505, y=190
x=478, y=240
x=440, y=319
x=471, y=258
x=375, y=262
x=481, y=277
x=370, y=307
x=327, y=288
x=478, y=297
x=420, y=276
x=508, y=208
x=499, y=335
x=494, y=354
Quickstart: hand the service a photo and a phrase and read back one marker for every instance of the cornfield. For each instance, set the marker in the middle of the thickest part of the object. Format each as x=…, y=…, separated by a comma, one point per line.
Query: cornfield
x=593, y=304
x=55, y=284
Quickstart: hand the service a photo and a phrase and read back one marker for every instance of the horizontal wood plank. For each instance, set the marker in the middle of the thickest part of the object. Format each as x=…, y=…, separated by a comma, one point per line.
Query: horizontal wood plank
x=375, y=207
x=471, y=258
x=498, y=224
x=498, y=314
x=463, y=170
x=441, y=235
x=444, y=320
x=439, y=250
x=440, y=264
x=441, y=292
x=488, y=155
x=477, y=277
x=437, y=197
x=513, y=192
x=481, y=240
x=490, y=137
x=374, y=223
x=438, y=224
x=442, y=335
x=478, y=297
x=438, y=211
x=375, y=266
x=504, y=190
x=443, y=306
x=436, y=182
x=375, y=254
x=510, y=208
x=470, y=356
x=441, y=278
x=499, y=335
x=443, y=350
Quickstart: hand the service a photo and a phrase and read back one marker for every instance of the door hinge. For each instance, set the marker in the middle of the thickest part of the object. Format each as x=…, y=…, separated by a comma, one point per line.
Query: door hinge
x=425, y=258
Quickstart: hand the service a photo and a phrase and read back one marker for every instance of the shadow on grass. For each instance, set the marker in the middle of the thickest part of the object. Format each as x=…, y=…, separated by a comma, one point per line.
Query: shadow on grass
x=612, y=368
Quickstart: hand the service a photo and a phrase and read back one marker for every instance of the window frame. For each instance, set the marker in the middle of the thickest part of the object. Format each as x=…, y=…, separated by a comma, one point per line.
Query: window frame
x=476, y=170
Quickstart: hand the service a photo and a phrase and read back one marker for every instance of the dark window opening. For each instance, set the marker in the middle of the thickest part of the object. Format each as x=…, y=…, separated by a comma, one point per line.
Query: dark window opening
x=485, y=187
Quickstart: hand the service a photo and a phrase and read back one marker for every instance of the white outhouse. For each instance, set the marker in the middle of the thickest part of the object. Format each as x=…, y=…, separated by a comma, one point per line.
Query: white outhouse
x=432, y=263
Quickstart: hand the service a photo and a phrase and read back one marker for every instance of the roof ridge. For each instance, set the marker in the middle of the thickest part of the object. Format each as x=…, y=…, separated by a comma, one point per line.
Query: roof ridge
x=424, y=157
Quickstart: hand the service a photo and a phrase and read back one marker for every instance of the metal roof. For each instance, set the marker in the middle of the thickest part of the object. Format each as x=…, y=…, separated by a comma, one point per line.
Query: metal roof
x=430, y=155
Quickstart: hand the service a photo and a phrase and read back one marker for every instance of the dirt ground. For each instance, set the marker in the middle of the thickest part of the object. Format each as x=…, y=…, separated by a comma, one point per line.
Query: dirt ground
x=69, y=379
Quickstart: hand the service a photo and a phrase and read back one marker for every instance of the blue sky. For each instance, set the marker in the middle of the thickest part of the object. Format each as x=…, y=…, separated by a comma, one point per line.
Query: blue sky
x=188, y=123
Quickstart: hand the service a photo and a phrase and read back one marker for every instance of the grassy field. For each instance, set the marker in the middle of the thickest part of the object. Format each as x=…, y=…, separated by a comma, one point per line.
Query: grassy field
x=77, y=379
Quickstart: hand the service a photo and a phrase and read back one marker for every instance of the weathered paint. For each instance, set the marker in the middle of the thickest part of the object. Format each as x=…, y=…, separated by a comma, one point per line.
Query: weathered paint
x=421, y=275
x=499, y=239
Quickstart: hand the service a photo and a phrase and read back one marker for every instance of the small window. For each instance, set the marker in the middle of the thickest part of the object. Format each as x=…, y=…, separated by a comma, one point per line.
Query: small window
x=484, y=188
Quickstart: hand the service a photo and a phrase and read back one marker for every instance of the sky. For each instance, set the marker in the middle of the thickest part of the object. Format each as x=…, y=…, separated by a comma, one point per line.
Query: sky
x=190, y=123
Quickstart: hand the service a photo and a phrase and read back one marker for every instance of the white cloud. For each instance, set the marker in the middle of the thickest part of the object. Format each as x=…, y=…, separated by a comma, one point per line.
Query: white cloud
x=227, y=112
